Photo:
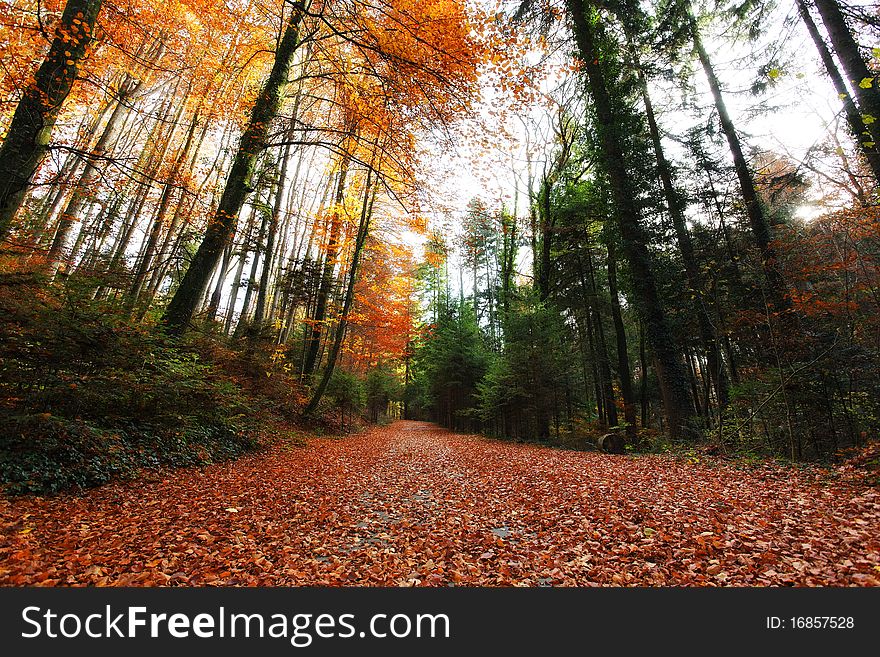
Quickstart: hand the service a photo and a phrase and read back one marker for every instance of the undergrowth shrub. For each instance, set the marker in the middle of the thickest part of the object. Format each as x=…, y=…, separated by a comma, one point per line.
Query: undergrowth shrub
x=88, y=395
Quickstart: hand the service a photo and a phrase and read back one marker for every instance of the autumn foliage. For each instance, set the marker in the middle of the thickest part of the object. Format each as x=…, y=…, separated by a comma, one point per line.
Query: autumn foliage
x=228, y=229
x=412, y=505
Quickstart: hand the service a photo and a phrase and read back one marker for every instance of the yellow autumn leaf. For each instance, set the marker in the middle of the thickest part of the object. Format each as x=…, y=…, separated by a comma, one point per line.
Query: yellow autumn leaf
x=867, y=119
x=866, y=83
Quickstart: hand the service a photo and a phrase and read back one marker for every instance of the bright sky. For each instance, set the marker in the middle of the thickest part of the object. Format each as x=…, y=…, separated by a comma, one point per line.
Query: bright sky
x=806, y=110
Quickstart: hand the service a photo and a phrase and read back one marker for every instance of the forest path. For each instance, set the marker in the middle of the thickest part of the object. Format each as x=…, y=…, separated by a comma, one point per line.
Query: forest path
x=411, y=503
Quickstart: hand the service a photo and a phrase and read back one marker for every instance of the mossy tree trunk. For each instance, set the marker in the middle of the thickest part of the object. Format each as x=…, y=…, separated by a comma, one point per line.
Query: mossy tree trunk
x=238, y=183
x=27, y=139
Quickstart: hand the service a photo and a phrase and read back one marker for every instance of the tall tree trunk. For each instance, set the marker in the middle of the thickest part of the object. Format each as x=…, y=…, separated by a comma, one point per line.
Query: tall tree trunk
x=259, y=248
x=50, y=210
x=188, y=296
x=103, y=224
x=363, y=230
x=236, y=281
x=88, y=228
x=171, y=240
x=27, y=139
x=643, y=382
x=84, y=188
x=171, y=183
x=758, y=220
x=507, y=262
x=623, y=369
x=476, y=290
x=675, y=207
x=546, y=224
x=150, y=162
x=120, y=197
x=314, y=341
x=142, y=269
x=869, y=145
x=216, y=295
x=126, y=229
x=594, y=363
x=671, y=375
x=292, y=232
x=68, y=173
x=862, y=79
x=490, y=296
x=690, y=359
x=604, y=362
x=268, y=260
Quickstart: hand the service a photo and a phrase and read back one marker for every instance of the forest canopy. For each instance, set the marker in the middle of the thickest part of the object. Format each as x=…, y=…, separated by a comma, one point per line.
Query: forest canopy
x=542, y=220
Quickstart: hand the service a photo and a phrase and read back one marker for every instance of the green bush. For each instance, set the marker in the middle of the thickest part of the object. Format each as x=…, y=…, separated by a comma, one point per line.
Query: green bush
x=381, y=387
x=89, y=395
x=346, y=391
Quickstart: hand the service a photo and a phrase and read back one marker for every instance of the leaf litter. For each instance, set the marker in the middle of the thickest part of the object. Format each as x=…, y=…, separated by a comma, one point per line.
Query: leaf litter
x=411, y=504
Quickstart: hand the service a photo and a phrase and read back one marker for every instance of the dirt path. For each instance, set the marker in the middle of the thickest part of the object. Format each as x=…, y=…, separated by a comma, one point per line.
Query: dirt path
x=412, y=504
